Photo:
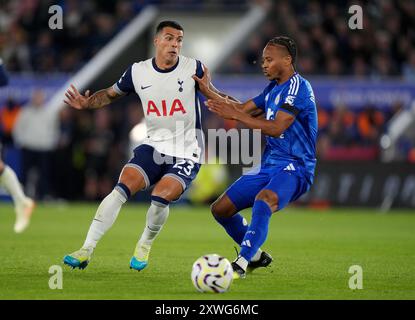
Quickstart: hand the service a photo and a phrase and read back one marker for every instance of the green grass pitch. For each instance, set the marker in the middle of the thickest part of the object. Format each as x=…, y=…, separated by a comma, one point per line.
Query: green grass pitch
x=313, y=251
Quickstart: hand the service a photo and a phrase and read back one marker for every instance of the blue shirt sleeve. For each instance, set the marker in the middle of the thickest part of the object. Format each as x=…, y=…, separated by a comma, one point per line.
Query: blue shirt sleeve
x=125, y=84
x=199, y=69
x=260, y=100
x=199, y=72
x=4, y=79
x=295, y=97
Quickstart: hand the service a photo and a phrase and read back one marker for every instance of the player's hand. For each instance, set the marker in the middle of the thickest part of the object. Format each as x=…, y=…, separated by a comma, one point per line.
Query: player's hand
x=75, y=99
x=224, y=109
x=204, y=82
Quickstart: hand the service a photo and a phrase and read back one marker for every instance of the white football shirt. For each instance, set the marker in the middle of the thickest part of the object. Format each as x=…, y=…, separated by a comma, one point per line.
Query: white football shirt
x=170, y=104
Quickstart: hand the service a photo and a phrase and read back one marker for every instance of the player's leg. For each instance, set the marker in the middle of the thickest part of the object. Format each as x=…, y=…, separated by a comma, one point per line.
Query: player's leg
x=266, y=202
x=166, y=190
x=23, y=205
x=227, y=215
x=282, y=188
x=225, y=210
x=139, y=173
x=176, y=179
x=131, y=180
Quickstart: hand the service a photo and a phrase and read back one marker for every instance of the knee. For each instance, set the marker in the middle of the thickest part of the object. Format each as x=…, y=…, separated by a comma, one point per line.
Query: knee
x=159, y=201
x=269, y=197
x=215, y=209
x=222, y=208
x=132, y=179
x=168, y=192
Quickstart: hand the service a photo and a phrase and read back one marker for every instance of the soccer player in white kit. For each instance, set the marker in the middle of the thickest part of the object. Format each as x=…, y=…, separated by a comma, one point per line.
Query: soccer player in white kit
x=169, y=158
x=23, y=205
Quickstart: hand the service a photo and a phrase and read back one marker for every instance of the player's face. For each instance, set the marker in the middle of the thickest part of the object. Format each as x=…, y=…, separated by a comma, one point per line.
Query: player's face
x=169, y=43
x=274, y=61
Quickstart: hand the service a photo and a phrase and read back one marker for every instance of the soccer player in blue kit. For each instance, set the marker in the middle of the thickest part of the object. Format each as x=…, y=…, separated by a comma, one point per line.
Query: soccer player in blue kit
x=288, y=162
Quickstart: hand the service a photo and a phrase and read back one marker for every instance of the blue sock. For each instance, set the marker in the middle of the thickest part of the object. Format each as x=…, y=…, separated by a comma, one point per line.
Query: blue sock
x=236, y=226
x=257, y=231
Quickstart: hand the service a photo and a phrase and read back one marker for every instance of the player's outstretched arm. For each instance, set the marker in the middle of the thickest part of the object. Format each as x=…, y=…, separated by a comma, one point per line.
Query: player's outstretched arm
x=223, y=95
x=273, y=128
x=208, y=89
x=99, y=99
x=210, y=92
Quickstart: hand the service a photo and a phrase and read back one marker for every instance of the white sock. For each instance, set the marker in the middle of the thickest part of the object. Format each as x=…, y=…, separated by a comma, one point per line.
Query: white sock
x=105, y=217
x=257, y=255
x=242, y=262
x=9, y=181
x=156, y=217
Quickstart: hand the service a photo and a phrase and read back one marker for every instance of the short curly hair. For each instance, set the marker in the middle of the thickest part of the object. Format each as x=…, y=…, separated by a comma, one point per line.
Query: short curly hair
x=288, y=43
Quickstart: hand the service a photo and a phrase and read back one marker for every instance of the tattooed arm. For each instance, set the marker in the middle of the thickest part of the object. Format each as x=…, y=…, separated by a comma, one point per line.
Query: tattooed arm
x=99, y=99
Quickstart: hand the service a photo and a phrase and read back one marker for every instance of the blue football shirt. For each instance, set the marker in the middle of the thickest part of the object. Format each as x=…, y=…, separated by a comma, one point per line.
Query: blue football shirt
x=298, y=143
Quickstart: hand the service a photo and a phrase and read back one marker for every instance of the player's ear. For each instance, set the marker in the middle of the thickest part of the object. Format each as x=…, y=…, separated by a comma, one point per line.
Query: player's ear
x=156, y=39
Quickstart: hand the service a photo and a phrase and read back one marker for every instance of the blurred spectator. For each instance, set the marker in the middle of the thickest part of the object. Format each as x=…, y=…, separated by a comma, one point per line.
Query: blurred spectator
x=124, y=13
x=98, y=148
x=408, y=69
x=67, y=176
x=253, y=55
x=98, y=143
x=370, y=125
x=342, y=126
x=44, y=54
x=16, y=54
x=360, y=68
x=104, y=24
x=8, y=117
x=37, y=131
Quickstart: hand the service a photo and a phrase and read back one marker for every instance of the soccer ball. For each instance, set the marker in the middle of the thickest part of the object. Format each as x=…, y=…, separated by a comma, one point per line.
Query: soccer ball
x=212, y=273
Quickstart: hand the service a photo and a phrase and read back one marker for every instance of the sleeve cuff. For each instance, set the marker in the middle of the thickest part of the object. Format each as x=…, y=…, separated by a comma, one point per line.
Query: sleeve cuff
x=258, y=102
x=290, y=109
x=117, y=89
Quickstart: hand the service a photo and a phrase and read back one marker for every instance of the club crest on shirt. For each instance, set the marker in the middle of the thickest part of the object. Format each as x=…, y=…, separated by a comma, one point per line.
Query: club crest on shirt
x=180, y=84
x=277, y=99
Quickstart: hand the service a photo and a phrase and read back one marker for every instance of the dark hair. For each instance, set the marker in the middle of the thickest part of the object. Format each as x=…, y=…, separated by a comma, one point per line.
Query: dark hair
x=168, y=23
x=288, y=43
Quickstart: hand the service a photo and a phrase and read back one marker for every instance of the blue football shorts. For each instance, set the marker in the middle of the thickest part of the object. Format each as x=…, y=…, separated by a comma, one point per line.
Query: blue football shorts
x=287, y=183
x=144, y=160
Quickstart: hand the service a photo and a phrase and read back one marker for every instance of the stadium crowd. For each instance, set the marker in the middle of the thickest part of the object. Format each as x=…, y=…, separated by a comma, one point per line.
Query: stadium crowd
x=26, y=43
x=328, y=47
x=90, y=147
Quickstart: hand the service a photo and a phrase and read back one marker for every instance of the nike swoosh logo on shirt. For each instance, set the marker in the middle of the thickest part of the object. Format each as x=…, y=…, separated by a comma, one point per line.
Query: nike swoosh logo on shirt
x=142, y=88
